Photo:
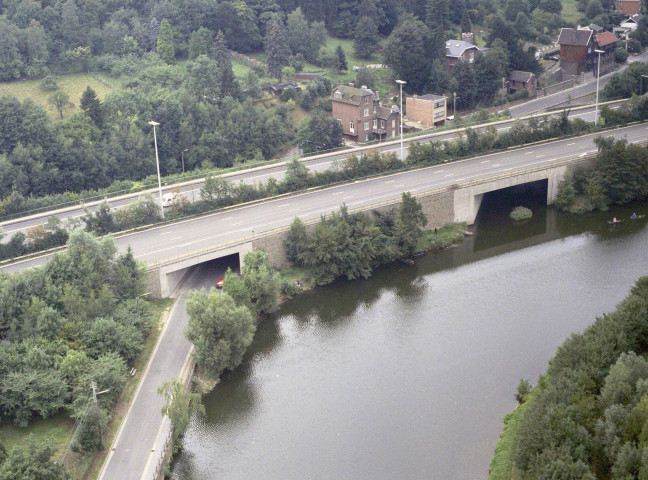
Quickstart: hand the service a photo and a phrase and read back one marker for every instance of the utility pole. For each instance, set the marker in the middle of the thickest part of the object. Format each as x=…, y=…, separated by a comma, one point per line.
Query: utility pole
x=93, y=385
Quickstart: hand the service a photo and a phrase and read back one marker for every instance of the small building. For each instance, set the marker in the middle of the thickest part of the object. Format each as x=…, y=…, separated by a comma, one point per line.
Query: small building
x=459, y=50
x=606, y=41
x=628, y=7
x=519, y=81
x=362, y=115
x=278, y=88
x=632, y=22
x=595, y=28
x=307, y=76
x=430, y=110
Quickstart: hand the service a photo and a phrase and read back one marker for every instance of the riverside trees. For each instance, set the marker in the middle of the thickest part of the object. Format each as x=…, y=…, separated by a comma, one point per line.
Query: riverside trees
x=349, y=244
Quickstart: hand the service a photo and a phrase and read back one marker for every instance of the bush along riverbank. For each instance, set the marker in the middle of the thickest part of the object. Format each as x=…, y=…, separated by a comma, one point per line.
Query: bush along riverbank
x=587, y=418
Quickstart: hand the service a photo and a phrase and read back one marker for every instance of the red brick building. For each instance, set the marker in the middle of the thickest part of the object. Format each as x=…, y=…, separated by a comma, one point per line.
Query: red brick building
x=519, y=80
x=628, y=7
x=575, y=45
x=362, y=115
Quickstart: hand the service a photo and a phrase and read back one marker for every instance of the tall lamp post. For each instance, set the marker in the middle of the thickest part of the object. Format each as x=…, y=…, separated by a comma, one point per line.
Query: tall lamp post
x=157, y=163
x=598, y=76
x=401, y=83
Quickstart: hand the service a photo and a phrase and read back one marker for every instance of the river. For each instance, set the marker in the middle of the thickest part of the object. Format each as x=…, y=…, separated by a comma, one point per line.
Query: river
x=407, y=375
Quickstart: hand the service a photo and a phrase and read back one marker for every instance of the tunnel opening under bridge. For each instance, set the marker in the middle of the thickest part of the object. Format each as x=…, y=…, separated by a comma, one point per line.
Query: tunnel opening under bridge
x=496, y=206
x=212, y=270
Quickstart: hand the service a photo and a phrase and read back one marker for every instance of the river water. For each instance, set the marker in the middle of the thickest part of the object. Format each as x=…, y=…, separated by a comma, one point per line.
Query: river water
x=408, y=375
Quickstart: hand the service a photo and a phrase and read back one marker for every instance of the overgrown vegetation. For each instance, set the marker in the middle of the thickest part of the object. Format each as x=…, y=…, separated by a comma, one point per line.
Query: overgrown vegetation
x=520, y=213
x=587, y=417
x=619, y=176
x=349, y=245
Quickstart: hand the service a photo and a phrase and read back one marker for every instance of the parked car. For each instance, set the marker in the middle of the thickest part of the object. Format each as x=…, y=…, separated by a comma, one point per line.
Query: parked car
x=220, y=283
x=167, y=199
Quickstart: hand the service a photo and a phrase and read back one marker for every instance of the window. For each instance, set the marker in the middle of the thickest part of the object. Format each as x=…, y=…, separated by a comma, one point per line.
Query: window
x=382, y=124
x=393, y=123
x=375, y=123
x=439, y=104
x=351, y=125
x=439, y=114
x=366, y=99
x=366, y=125
x=337, y=94
x=374, y=109
x=366, y=112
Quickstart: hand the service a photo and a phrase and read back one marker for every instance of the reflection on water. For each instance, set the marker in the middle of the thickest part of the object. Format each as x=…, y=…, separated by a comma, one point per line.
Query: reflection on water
x=408, y=374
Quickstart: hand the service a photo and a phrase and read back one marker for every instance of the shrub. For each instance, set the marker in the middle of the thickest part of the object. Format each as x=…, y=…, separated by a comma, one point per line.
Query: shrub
x=621, y=55
x=48, y=84
x=520, y=213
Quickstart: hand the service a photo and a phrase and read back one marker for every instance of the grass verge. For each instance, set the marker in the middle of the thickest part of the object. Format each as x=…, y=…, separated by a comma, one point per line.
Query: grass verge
x=444, y=237
x=501, y=466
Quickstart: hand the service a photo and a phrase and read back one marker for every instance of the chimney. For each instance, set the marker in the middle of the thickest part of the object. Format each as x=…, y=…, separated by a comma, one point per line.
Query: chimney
x=364, y=87
x=351, y=84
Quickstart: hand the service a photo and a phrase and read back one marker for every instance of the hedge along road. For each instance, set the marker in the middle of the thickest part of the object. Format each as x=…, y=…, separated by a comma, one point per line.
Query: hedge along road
x=191, y=189
x=169, y=240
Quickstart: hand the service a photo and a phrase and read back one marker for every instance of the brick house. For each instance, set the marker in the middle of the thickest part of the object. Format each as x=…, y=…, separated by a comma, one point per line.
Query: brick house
x=628, y=7
x=606, y=41
x=519, y=80
x=459, y=50
x=362, y=115
x=430, y=110
x=575, y=45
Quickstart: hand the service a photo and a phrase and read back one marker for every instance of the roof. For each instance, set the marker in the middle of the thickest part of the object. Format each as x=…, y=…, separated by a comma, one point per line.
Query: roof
x=634, y=18
x=594, y=27
x=384, y=112
x=572, y=36
x=605, y=38
x=429, y=96
x=456, y=48
x=519, y=76
x=352, y=95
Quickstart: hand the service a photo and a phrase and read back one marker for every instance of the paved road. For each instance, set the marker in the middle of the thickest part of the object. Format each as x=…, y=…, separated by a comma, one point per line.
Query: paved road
x=132, y=448
x=171, y=240
x=191, y=190
x=542, y=103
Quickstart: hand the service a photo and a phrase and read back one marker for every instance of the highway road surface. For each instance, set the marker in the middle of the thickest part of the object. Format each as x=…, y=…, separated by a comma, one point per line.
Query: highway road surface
x=170, y=240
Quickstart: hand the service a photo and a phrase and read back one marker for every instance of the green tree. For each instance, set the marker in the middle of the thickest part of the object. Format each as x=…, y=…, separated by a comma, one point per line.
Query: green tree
x=276, y=48
x=200, y=43
x=340, y=60
x=409, y=224
x=296, y=242
x=165, y=45
x=204, y=79
x=262, y=281
x=296, y=177
x=229, y=85
x=61, y=101
x=179, y=405
x=220, y=330
x=91, y=106
x=365, y=39
x=319, y=133
x=466, y=24
x=32, y=461
x=406, y=54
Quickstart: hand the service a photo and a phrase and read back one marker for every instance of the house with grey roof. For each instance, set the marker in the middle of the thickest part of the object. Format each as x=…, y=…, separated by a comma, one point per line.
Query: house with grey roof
x=457, y=50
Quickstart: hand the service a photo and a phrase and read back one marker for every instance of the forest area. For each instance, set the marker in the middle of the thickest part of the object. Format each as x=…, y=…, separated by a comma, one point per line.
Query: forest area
x=177, y=62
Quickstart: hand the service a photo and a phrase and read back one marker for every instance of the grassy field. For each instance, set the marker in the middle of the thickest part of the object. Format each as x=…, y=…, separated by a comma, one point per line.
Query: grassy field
x=570, y=11
x=73, y=85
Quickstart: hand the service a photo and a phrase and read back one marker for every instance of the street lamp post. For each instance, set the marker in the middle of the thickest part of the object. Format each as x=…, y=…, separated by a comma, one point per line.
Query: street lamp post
x=598, y=76
x=401, y=83
x=157, y=163
x=182, y=154
x=454, y=106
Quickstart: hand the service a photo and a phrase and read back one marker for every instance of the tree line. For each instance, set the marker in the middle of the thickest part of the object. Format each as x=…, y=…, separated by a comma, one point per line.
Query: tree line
x=66, y=325
x=587, y=417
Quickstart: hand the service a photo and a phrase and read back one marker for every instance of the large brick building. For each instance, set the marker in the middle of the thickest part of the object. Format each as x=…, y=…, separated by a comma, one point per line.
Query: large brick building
x=430, y=110
x=362, y=115
x=628, y=7
x=578, y=50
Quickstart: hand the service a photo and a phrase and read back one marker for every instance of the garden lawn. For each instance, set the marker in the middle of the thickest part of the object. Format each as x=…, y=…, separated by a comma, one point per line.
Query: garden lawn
x=73, y=85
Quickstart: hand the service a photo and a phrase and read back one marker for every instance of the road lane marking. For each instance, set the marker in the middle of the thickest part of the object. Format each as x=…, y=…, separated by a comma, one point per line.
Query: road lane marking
x=570, y=144
x=346, y=198
x=497, y=165
x=166, y=233
x=284, y=205
x=529, y=153
x=486, y=161
x=449, y=175
x=337, y=193
x=540, y=156
x=235, y=224
x=400, y=186
x=391, y=181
